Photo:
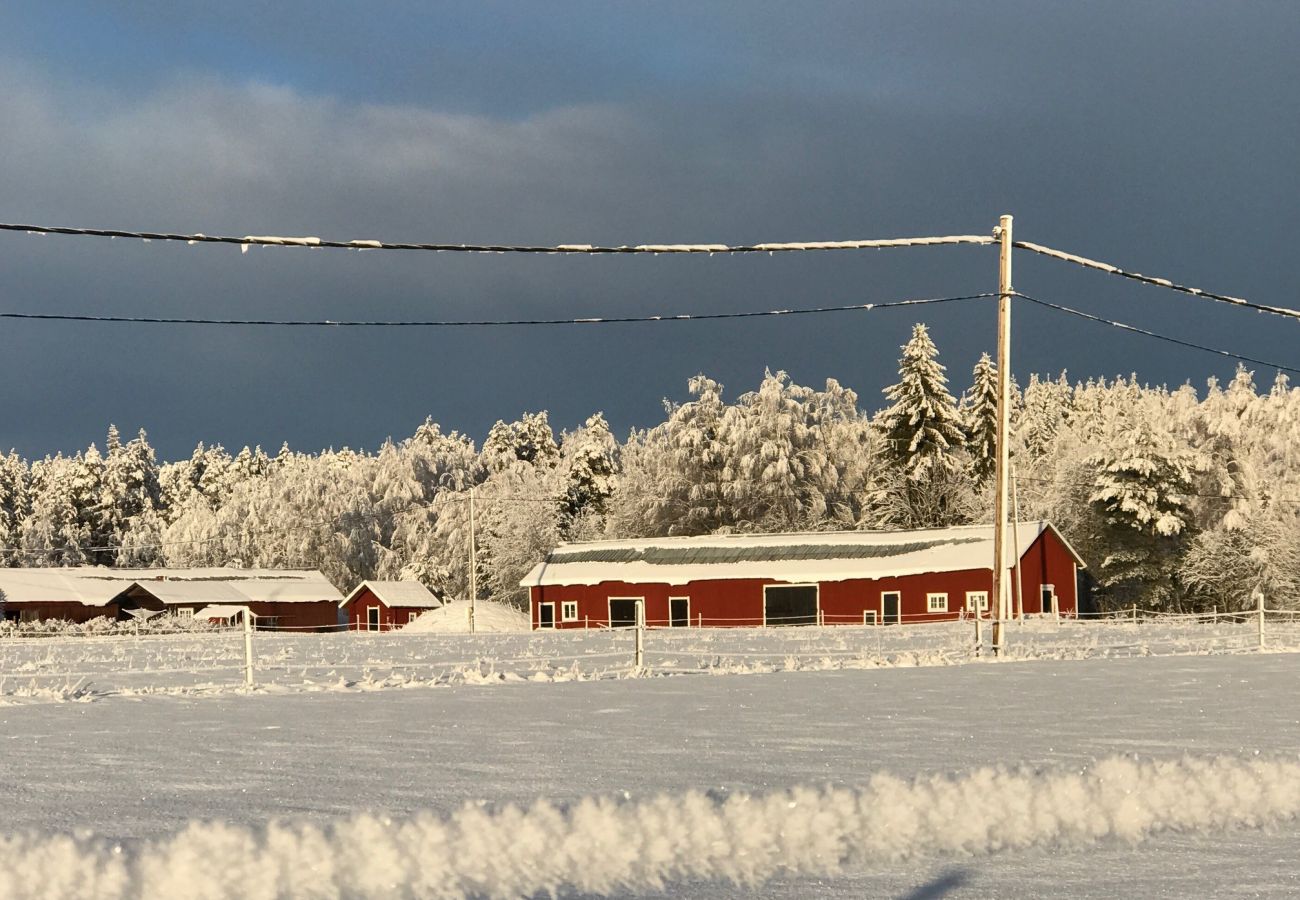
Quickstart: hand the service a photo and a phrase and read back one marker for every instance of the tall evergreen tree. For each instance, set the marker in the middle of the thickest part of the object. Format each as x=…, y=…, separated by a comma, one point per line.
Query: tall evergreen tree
x=922, y=429
x=980, y=415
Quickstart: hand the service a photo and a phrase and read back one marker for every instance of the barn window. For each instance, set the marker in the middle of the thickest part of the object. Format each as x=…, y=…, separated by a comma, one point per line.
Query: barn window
x=936, y=602
x=185, y=612
x=977, y=601
x=569, y=611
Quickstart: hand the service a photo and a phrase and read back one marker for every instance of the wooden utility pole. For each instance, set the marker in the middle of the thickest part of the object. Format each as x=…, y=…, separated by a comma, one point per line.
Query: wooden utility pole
x=473, y=563
x=1003, y=467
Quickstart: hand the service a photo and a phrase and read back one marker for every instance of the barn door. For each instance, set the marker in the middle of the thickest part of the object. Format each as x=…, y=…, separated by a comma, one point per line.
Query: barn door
x=372, y=618
x=679, y=611
x=790, y=604
x=546, y=615
x=890, y=607
x=622, y=612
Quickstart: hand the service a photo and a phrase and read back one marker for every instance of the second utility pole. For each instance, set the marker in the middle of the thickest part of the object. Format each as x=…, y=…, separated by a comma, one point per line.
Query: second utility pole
x=473, y=563
x=1003, y=464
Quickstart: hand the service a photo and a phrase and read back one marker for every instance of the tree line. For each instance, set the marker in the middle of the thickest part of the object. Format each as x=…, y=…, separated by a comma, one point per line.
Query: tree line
x=1178, y=500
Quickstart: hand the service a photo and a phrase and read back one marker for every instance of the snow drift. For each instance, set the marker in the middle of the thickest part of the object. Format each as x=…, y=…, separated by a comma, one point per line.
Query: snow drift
x=600, y=845
x=454, y=618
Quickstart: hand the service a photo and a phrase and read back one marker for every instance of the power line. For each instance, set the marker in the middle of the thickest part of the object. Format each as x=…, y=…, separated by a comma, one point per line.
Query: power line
x=1151, y=334
x=254, y=240
x=429, y=323
x=1157, y=282
x=1203, y=496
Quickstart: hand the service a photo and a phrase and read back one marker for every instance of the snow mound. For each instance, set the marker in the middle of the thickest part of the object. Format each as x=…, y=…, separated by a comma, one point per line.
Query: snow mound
x=603, y=845
x=488, y=617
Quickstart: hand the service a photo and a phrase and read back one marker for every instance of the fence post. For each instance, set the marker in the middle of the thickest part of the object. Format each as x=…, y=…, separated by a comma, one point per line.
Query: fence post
x=699, y=620
x=1214, y=614
x=1259, y=598
x=248, y=647
x=640, y=634
x=1135, y=613
x=979, y=635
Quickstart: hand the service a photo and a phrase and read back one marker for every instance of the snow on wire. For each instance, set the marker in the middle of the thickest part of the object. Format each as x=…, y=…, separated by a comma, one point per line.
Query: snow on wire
x=428, y=323
x=1152, y=334
x=1155, y=282
x=603, y=845
x=254, y=240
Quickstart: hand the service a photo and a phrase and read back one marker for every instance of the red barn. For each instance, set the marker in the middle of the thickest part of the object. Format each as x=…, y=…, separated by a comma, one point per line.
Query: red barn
x=385, y=605
x=858, y=577
x=285, y=598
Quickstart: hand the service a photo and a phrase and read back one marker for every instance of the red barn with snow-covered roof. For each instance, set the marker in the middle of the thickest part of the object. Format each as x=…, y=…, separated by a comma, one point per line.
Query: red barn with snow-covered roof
x=385, y=605
x=834, y=578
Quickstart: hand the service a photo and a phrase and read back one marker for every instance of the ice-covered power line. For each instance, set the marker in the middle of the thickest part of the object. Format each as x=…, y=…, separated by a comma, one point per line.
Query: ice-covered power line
x=447, y=323
x=254, y=240
x=1157, y=336
x=1157, y=282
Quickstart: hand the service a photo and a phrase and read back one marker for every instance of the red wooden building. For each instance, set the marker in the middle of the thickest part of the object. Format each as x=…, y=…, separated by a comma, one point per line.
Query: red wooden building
x=385, y=605
x=833, y=578
x=285, y=598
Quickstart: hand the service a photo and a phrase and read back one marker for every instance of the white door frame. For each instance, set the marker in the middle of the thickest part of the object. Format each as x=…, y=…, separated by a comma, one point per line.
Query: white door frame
x=897, y=621
x=688, y=609
x=379, y=618
x=551, y=604
x=817, y=615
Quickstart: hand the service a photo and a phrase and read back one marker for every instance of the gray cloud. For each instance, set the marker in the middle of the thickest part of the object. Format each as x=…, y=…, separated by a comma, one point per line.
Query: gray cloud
x=1160, y=137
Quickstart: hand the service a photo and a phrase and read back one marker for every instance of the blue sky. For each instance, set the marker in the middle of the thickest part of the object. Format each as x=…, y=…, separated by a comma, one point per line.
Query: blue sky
x=1160, y=136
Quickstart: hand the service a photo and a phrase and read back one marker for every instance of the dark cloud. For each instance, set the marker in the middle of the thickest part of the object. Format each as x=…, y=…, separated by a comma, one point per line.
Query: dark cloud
x=1160, y=136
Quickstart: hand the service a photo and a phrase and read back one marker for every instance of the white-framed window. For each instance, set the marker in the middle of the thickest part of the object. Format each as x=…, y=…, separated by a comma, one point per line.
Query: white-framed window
x=185, y=612
x=936, y=602
x=869, y=617
x=977, y=601
x=569, y=611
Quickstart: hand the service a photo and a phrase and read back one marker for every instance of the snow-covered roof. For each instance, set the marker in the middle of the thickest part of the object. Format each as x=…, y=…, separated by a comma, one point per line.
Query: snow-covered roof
x=406, y=594
x=814, y=556
x=97, y=585
x=179, y=593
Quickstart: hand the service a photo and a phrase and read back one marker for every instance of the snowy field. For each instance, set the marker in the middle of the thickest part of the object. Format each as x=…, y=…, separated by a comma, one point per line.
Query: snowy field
x=1121, y=774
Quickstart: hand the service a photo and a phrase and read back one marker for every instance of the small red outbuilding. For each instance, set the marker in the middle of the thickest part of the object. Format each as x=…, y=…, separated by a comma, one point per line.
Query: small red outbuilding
x=833, y=578
x=386, y=605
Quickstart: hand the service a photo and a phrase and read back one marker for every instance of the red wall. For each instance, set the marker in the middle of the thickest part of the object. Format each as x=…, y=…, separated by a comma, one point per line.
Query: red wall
x=314, y=614
x=72, y=612
x=739, y=602
x=390, y=617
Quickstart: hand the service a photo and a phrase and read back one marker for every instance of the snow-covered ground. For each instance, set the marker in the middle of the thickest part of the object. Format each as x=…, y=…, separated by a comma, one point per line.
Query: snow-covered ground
x=88, y=667
x=1167, y=776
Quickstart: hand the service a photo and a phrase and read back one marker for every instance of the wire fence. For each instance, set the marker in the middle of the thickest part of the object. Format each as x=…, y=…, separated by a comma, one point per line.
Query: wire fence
x=82, y=667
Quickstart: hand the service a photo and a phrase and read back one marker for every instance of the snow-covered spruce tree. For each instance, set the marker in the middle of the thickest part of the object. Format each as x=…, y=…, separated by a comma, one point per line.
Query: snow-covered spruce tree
x=1141, y=493
x=923, y=446
x=1047, y=406
x=922, y=428
x=589, y=459
x=980, y=416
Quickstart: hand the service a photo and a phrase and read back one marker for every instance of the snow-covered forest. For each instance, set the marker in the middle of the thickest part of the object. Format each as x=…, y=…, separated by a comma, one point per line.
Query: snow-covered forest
x=1178, y=499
